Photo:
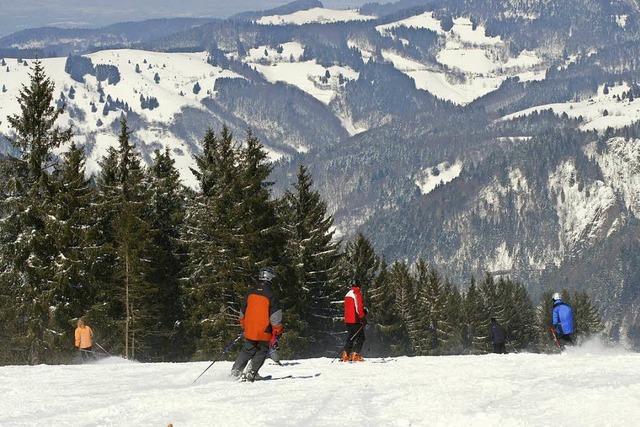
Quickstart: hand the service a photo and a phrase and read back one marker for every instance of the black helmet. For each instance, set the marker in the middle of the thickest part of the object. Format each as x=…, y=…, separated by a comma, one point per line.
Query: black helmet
x=266, y=274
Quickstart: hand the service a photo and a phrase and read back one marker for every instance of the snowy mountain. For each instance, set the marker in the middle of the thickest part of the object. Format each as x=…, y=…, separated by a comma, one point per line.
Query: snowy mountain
x=601, y=386
x=481, y=135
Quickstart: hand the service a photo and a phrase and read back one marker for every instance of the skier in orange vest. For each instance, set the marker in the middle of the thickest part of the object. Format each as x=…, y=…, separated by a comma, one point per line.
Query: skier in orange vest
x=261, y=321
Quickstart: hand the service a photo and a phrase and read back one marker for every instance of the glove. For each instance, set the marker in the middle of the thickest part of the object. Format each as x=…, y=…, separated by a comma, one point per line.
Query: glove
x=277, y=330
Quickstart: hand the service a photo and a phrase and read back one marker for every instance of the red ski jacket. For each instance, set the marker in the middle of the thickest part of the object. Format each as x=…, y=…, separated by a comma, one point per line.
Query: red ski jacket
x=353, y=306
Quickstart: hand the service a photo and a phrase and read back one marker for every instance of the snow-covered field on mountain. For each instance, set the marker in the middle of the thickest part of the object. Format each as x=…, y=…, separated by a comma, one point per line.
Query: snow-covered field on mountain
x=598, y=112
x=587, y=386
x=469, y=63
x=178, y=73
x=318, y=15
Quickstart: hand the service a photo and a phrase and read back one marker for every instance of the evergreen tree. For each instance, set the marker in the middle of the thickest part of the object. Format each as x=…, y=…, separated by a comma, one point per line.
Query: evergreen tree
x=587, y=318
x=432, y=305
x=404, y=285
x=312, y=255
x=475, y=315
x=73, y=208
x=131, y=300
x=27, y=247
x=454, y=319
x=389, y=333
x=359, y=263
x=165, y=212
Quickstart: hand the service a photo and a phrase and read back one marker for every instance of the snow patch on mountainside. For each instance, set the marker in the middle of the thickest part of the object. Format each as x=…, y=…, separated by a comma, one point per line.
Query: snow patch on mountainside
x=468, y=65
x=598, y=112
x=619, y=162
x=581, y=207
x=501, y=259
x=442, y=174
x=316, y=15
x=491, y=197
x=621, y=20
x=308, y=77
x=286, y=52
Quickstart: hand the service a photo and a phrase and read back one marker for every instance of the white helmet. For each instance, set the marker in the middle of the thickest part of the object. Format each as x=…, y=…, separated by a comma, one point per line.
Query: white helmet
x=556, y=296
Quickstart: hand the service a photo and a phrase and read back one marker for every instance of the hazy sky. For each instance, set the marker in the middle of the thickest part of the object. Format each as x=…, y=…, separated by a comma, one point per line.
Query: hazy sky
x=20, y=14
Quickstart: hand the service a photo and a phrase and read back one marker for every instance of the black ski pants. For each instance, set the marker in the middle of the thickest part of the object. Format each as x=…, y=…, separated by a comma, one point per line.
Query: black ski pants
x=254, y=351
x=86, y=354
x=566, y=340
x=499, y=348
x=355, y=338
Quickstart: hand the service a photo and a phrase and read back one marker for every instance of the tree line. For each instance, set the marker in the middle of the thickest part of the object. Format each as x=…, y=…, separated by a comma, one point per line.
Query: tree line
x=159, y=270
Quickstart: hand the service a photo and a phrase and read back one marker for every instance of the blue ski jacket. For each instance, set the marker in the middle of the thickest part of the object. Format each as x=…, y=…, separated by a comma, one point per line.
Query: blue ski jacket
x=563, y=318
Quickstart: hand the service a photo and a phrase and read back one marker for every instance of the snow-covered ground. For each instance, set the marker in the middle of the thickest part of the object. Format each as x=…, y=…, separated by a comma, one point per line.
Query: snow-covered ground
x=441, y=174
x=598, y=112
x=315, y=15
x=583, y=387
x=469, y=63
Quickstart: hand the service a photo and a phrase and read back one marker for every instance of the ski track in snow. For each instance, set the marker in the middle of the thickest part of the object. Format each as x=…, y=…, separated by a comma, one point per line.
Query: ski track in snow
x=581, y=387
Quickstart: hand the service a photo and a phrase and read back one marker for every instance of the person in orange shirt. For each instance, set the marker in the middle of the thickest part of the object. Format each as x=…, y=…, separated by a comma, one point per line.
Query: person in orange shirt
x=261, y=321
x=84, y=339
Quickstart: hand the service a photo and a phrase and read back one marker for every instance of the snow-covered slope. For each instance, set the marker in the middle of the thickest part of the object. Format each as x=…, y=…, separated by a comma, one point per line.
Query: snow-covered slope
x=178, y=73
x=441, y=174
x=285, y=64
x=585, y=387
x=598, y=112
x=468, y=63
x=315, y=15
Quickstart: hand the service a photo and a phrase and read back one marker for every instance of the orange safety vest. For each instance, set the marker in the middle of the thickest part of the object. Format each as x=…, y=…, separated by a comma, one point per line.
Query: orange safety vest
x=84, y=337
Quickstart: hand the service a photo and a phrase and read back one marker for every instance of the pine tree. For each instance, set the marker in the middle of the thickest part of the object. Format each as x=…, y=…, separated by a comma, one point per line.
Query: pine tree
x=432, y=305
x=359, y=263
x=165, y=211
x=388, y=331
x=27, y=249
x=312, y=255
x=73, y=208
x=130, y=299
x=475, y=315
x=454, y=319
x=405, y=306
x=587, y=318
x=517, y=314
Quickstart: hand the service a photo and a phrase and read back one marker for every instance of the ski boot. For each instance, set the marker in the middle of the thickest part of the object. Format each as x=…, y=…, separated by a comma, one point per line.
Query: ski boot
x=236, y=374
x=344, y=357
x=355, y=357
x=252, y=376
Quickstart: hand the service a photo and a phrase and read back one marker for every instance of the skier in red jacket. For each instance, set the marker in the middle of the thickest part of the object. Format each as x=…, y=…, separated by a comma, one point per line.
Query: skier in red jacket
x=355, y=320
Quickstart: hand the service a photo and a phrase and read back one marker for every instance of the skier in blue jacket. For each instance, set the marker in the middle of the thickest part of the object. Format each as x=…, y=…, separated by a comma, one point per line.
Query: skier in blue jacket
x=562, y=319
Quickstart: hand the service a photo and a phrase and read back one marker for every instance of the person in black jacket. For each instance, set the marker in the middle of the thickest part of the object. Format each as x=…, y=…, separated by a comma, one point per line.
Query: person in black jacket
x=498, y=337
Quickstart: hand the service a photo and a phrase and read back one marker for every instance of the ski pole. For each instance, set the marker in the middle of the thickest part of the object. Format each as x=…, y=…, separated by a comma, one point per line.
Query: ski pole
x=350, y=339
x=225, y=351
x=102, y=348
